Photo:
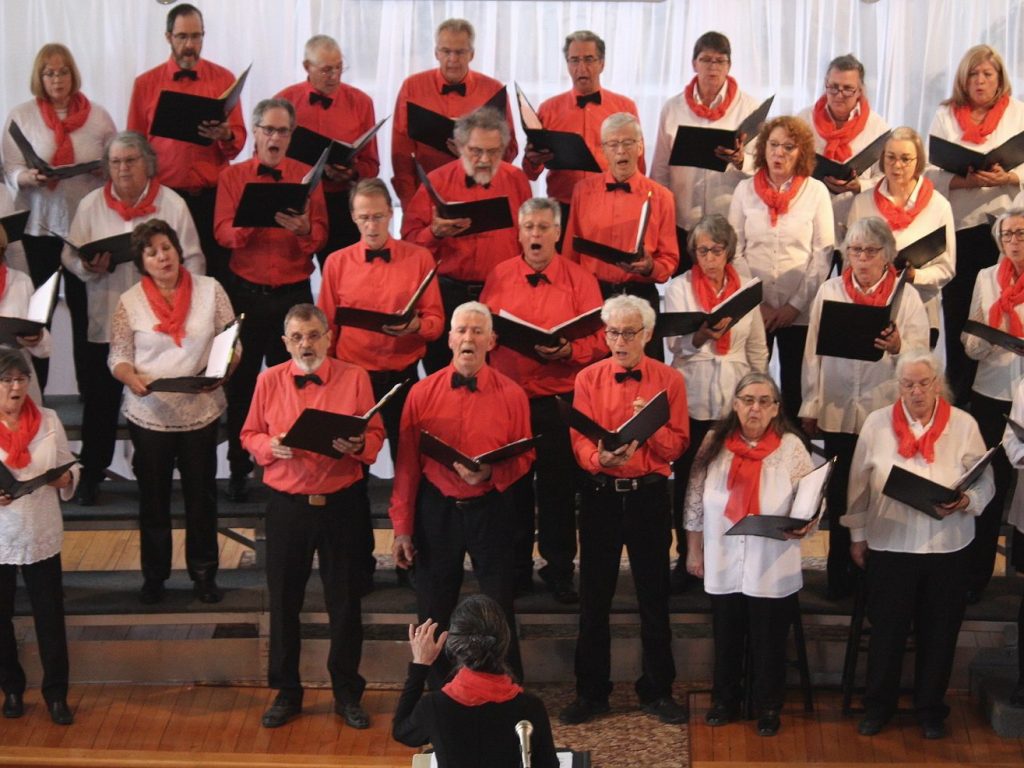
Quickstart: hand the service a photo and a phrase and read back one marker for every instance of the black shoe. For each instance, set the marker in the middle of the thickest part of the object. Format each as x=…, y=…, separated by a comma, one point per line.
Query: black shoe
x=88, y=490
x=871, y=726
x=280, y=712
x=206, y=590
x=933, y=729
x=665, y=709
x=354, y=714
x=973, y=596
x=59, y=712
x=1017, y=697
x=837, y=592
x=721, y=714
x=152, y=591
x=563, y=591
x=238, y=489
x=768, y=723
x=14, y=706
x=524, y=586
x=680, y=580
x=583, y=710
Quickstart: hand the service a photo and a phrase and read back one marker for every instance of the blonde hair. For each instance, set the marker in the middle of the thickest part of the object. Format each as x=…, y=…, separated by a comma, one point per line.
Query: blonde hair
x=979, y=54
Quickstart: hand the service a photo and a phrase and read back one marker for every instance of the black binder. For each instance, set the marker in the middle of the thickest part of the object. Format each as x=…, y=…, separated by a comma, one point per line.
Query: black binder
x=118, y=246
x=307, y=145
x=443, y=453
x=736, y=306
x=178, y=115
x=648, y=420
x=995, y=336
x=922, y=250
x=923, y=494
x=807, y=500
x=40, y=312
x=957, y=159
x=488, y=214
x=262, y=201
x=372, y=320
x=853, y=167
x=570, y=151
x=14, y=225
x=34, y=161
x=849, y=330
x=18, y=488
x=695, y=146
x=611, y=255
x=222, y=351
x=434, y=129
x=522, y=336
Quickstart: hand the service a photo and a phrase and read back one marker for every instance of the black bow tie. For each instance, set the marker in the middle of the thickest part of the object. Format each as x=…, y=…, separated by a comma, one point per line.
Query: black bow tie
x=632, y=373
x=319, y=98
x=471, y=182
x=302, y=381
x=266, y=170
x=459, y=88
x=384, y=254
x=592, y=98
x=458, y=380
x=186, y=74
x=537, y=278
x=623, y=185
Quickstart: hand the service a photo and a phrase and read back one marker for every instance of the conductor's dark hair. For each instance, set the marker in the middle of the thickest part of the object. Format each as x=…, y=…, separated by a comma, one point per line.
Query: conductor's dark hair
x=715, y=42
x=478, y=636
x=144, y=233
x=185, y=9
x=846, y=63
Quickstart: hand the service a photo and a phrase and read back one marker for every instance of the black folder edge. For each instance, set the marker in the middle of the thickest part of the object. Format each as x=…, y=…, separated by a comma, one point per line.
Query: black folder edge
x=12, y=327
x=571, y=152
x=341, y=152
x=750, y=125
x=33, y=159
x=523, y=338
x=255, y=195
x=14, y=225
x=746, y=299
x=995, y=336
x=119, y=247
x=776, y=526
x=956, y=159
x=18, y=488
x=498, y=101
x=855, y=166
x=612, y=255
x=931, y=245
x=446, y=455
x=494, y=217
x=654, y=416
x=170, y=102
x=923, y=494
x=372, y=320
x=840, y=314
x=193, y=385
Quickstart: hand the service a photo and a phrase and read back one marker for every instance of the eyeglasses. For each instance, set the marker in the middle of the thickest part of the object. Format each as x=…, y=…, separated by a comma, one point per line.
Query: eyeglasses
x=312, y=337
x=787, y=147
x=923, y=384
x=1012, y=234
x=575, y=61
x=625, y=145
x=56, y=74
x=892, y=159
x=270, y=131
x=627, y=335
x=375, y=218
x=846, y=91
x=749, y=401
x=184, y=37
x=457, y=53
x=10, y=381
x=126, y=162
x=714, y=250
x=713, y=61
x=864, y=250
x=477, y=152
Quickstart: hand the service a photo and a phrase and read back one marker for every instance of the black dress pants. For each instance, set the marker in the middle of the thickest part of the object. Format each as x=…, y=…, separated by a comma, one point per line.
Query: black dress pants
x=639, y=520
x=334, y=532
x=991, y=416
x=681, y=470
x=649, y=292
x=842, y=572
x=791, y=361
x=46, y=595
x=201, y=204
x=101, y=396
x=195, y=453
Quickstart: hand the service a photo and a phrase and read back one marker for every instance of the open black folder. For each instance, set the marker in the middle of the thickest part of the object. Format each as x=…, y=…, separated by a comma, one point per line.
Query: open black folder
x=853, y=167
x=315, y=430
x=639, y=427
x=262, y=201
x=736, y=307
x=40, y=310
x=18, y=488
x=372, y=320
x=612, y=255
x=34, y=161
x=443, y=453
x=14, y=225
x=222, y=350
x=922, y=250
x=570, y=151
x=435, y=130
x=923, y=494
x=307, y=145
x=995, y=336
x=806, y=506
x=695, y=145
x=958, y=159
x=485, y=215
x=849, y=330
x=522, y=335
x=178, y=115
x=118, y=246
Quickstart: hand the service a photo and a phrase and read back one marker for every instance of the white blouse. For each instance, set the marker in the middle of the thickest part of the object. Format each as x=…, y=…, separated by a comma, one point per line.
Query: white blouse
x=31, y=528
x=14, y=303
x=711, y=378
x=889, y=525
x=840, y=393
x=755, y=566
x=999, y=369
x=15, y=254
x=1015, y=453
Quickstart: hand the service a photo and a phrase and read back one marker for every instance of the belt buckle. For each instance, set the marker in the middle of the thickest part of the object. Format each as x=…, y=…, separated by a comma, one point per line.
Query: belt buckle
x=316, y=500
x=625, y=484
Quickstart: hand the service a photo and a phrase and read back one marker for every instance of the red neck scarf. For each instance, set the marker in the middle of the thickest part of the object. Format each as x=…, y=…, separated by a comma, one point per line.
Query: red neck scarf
x=976, y=133
x=897, y=216
x=744, y=481
x=877, y=299
x=3, y=278
x=78, y=112
x=708, y=113
x=471, y=689
x=707, y=298
x=776, y=200
x=16, y=443
x=171, y=316
x=838, y=138
x=128, y=212
x=908, y=445
x=1011, y=294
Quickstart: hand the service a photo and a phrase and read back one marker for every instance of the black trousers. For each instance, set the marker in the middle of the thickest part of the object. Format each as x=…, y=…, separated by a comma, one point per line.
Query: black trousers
x=681, y=470
x=975, y=250
x=928, y=592
x=195, y=453
x=335, y=532
x=639, y=520
x=201, y=205
x=261, y=334
x=46, y=595
x=991, y=416
x=649, y=292
x=842, y=572
x=453, y=293
x=763, y=624
x=791, y=362
x=685, y=262
x=566, y=209
x=341, y=230
x=101, y=401
x=445, y=529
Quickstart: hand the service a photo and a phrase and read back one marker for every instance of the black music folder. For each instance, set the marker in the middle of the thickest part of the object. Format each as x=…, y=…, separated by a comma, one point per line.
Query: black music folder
x=485, y=215
x=923, y=494
x=570, y=151
x=958, y=159
x=40, y=311
x=34, y=161
x=522, y=335
x=435, y=130
x=695, y=146
x=612, y=255
x=262, y=201
x=118, y=246
x=806, y=506
x=922, y=250
x=14, y=225
x=178, y=115
x=372, y=320
x=307, y=145
x=443, y=453
x=849, y=330
x=315, y=430
x=222, y=351
x=853, y=167
x=18, y=488
x=995, y=336
x=639, y=427
x=745, y=300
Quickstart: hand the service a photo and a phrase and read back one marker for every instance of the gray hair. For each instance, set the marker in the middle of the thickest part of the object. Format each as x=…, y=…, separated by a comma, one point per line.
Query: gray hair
x=304, y=313
x=846, y=63
x=625, y=304
x=718, y=228
x=369, y=188
x=471, y=307
x=583, y=36
x=875, y=230
x=915, y=356
x=618, y=122
x=538, y=204
x=456, y=26
x=132, y=140
x=997, y=226
x=268, y=104
x=13, y=359
x=906, y=133
x=317, y=43
x=483, y=119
